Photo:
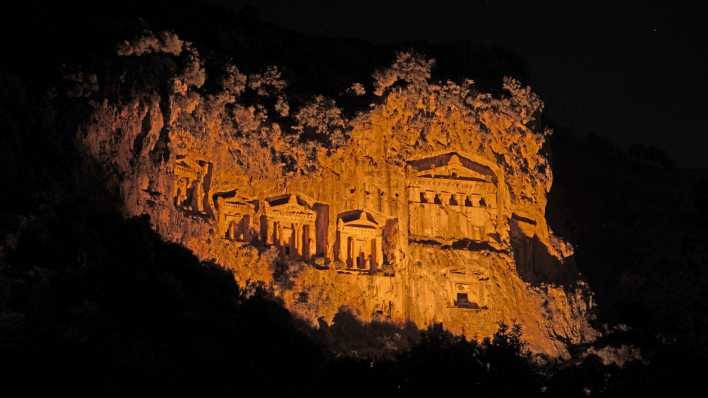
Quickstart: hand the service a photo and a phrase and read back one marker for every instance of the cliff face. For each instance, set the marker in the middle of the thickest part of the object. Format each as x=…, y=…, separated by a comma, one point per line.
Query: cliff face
x=427, y=207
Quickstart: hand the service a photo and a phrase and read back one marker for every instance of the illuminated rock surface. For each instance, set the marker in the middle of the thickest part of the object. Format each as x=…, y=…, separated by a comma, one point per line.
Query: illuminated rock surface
x=427, y=207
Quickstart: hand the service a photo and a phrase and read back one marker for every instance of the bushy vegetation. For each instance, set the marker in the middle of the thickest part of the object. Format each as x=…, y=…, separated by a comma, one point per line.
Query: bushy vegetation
x=91, y=302
x=94, y=303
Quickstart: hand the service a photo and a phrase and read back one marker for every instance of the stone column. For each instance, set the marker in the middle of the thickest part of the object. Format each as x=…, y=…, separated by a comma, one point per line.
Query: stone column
x=445, y=198
x=199, y=193
x=231, y=230
x=413, y=195
x=356, y=251
x=266, y=231
x=341, y=248
x=427, y=220
x=340, y=254
x=350, y=252
x=294, y=240
x=311, y=240
x=297, y=230
x=378, y=254
x=221, y=224
x=246, y=227
x=456, y=199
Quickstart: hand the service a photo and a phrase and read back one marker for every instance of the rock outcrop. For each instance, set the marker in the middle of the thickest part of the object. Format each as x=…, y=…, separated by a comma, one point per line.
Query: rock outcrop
x=426, y=207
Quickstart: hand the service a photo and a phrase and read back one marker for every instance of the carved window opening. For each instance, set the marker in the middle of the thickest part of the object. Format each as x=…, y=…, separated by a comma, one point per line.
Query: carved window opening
x=453, y=200
x=468, y=202
x=482, y=203
x=423, y=199
x=462, y=300
x=361, y=260
x=437, y=200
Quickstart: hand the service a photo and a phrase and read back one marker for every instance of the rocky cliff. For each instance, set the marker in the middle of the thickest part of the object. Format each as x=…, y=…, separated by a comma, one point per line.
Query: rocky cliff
x=424, y=202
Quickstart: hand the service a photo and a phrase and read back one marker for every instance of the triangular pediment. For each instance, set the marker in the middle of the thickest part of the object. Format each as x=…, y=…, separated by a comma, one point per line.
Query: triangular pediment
x=452, y=165
x=231, y=200
x=458, y=271
x=291, y=207
x=361, y=224
x=185, y=165
x=359, y=218
x=288, y=203
x=238, y=201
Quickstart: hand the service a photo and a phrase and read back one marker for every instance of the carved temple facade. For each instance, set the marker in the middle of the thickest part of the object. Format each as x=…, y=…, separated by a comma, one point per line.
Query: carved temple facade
x=451, y=198
x=467, y=289
x=192, y=179
x=235, y=218
x=359, y=240
x=289, y=223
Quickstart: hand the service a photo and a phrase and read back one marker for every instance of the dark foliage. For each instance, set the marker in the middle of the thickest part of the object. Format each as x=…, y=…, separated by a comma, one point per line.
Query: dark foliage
x=90, y=302
x=638, y=223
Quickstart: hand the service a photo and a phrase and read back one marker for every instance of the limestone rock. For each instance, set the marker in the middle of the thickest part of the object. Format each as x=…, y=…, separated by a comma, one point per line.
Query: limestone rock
x=429, y=207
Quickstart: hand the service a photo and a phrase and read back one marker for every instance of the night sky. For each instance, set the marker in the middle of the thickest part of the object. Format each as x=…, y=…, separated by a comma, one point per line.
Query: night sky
x=632, y=73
